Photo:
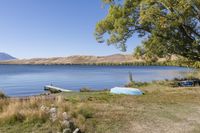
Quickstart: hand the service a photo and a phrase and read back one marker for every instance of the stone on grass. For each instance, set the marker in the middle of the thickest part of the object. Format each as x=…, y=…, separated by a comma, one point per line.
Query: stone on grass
x=66, y=124
x=53, y=114
x=53, y=117
x=65, y=116
x=53, y=110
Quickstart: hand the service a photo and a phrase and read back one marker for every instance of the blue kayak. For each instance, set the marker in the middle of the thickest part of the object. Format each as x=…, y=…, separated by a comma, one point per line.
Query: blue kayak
x=126, y=91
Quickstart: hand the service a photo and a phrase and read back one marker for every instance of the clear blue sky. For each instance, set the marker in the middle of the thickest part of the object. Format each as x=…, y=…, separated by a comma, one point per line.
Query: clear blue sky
x=49, y=28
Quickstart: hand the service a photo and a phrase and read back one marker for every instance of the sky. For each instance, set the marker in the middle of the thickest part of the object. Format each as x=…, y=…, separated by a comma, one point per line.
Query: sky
x=53, y=28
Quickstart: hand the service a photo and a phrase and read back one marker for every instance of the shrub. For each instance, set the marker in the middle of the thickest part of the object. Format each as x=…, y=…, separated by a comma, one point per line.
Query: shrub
x=85, y=90
x=86, y=112
x=37, y=117
x=136, y=84
x=2, y=95
x=14, y=118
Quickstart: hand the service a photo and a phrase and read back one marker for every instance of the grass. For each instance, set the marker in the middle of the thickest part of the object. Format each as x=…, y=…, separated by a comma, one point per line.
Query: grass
x=161, y=109
x=178, y=108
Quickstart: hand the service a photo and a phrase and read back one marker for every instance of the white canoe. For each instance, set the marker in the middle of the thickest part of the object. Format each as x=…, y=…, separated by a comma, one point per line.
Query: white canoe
x=126, y=91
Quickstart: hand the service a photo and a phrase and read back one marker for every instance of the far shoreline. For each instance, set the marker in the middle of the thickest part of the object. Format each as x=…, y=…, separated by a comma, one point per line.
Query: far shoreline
x=169, y=64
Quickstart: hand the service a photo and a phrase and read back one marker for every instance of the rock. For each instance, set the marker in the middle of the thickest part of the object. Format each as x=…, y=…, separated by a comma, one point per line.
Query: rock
x=53, y=114
x=65, y=116
x=66, y=124
x=53, y=110
x=76, y=130
x=67, y=130
x=53, y=117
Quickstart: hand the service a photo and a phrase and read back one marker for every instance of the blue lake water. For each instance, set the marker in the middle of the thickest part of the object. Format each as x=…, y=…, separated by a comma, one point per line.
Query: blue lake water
x=26, y=80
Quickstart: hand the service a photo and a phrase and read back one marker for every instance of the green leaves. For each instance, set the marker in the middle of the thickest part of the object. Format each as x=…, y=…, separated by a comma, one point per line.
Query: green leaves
x=171, y=26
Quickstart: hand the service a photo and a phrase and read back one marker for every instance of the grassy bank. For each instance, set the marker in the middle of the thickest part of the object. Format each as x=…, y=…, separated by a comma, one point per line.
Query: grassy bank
x=161, y=109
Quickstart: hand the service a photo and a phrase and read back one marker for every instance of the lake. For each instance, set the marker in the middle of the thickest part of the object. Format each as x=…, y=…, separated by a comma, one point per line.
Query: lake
x=26, y=80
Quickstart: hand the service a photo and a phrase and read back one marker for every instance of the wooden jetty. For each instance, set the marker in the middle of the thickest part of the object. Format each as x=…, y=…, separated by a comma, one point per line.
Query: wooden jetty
x=54, y=89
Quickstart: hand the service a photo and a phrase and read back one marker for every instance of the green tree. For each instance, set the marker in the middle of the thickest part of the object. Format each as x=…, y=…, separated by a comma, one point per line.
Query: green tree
x=169, y=27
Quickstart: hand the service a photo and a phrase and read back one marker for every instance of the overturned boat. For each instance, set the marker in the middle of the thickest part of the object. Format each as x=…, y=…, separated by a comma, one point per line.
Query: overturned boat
x=126, y=91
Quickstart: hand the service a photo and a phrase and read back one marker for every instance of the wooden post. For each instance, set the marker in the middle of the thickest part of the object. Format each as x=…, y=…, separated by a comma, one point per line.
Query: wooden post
x=130, y=76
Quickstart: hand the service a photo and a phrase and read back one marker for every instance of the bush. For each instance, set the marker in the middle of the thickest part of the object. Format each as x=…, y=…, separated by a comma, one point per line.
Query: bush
x=38, y=117
x=136, y=84
x=85, y=90
x=17, y=117
x=86, y=112
x=2, y=95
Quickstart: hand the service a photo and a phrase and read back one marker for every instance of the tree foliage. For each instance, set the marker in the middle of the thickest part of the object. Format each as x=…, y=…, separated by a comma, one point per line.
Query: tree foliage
x=168, y=26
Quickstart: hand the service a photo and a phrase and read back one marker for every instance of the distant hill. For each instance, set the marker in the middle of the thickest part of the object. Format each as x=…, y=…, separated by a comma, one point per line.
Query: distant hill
x=4, y=57
x=77, y=59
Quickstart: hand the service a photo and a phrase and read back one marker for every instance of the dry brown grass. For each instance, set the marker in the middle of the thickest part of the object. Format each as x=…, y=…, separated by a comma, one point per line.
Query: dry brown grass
x=15, y=112
x=21, y=110
x=78, y=59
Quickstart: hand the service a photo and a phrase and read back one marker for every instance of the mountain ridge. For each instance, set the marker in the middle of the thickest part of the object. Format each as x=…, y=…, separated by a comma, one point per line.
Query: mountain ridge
x=5, y=56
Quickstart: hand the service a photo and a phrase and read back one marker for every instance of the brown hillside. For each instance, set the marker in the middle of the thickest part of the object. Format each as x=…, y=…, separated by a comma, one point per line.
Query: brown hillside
x=117, y=58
